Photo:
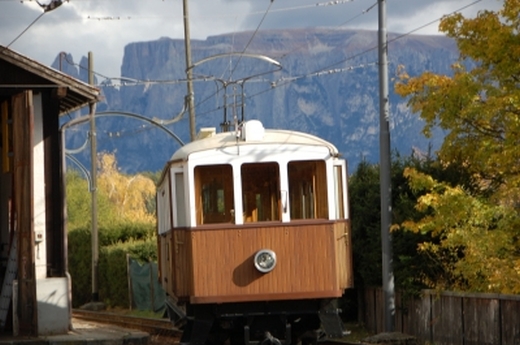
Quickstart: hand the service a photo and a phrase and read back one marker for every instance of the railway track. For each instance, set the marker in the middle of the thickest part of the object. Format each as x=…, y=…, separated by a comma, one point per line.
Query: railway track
x=161, y=331
x=154, y=327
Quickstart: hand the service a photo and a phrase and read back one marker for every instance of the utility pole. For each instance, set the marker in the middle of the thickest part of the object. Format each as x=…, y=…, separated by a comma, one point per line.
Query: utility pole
x=189, y=75
x=385, y=173
x=93, y=187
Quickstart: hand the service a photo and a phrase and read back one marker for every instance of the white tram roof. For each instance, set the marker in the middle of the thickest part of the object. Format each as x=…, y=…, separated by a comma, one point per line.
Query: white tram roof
x=252, y=133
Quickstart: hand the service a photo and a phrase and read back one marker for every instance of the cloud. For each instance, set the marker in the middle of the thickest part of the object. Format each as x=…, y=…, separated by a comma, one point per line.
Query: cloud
x=105, y=27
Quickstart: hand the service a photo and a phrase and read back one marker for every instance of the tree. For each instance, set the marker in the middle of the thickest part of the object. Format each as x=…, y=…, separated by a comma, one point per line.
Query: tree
x=474, y=241
x=79, y=202
x=129, y=194
x=121, y=198
x=126, y=225
x=479, y=105
x=473, y=227
x=364, y=200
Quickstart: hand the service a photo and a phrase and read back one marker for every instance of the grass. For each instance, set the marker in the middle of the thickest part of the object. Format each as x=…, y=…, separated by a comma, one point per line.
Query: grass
x=137, y=313
x=357, y=332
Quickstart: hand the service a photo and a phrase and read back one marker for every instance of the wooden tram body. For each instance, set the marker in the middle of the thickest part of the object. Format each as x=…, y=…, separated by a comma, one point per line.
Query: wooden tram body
x=274, y=198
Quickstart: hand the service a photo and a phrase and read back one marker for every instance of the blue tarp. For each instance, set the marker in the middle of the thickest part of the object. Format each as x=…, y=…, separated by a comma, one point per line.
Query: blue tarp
x=146, y=292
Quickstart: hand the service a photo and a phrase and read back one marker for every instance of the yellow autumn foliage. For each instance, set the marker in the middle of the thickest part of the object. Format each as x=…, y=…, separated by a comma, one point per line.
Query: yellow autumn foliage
x=475, y=240
x=128, y=193
x=474, y=229
x=478, y=104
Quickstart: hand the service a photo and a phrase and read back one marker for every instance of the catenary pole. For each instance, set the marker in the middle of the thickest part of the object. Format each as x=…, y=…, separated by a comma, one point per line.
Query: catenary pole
x=385, y=166
x=93, y=173
x=189, y=74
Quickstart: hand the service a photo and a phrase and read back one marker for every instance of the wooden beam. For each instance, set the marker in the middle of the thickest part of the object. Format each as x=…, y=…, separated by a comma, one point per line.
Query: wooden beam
x=23, y=126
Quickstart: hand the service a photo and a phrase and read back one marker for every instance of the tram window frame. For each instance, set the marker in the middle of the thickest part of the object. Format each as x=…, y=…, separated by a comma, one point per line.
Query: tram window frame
x=180, y=206
x=261, y=192
x=338, y=192
x=214, y=190
x=308, y=189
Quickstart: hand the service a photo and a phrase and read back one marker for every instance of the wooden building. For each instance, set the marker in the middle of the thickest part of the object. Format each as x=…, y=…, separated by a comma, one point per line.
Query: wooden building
x=33, y=241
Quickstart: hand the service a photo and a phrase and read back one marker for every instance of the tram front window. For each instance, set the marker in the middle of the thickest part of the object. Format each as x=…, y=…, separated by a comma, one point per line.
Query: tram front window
x=214, y=185
x=308, y=189
x=260, y=192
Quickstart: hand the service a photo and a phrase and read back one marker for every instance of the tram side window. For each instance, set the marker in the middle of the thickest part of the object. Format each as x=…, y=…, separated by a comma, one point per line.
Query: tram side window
x=260, y=192
x=214, y=187
x=308, y=189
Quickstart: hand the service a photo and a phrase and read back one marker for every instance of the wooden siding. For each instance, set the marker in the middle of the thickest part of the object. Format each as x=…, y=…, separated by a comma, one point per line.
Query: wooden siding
x=163, y=242
x=343, y=246
x=449, y=318
x=216, y=265
x=446, y=314
x=181, y=247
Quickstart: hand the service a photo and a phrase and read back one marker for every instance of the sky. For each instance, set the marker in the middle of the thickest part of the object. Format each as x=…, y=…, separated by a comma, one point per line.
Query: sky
x=105, y=27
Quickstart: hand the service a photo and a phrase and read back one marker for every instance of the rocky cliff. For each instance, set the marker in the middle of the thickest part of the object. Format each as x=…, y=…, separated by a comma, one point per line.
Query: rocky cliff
x=327, y=85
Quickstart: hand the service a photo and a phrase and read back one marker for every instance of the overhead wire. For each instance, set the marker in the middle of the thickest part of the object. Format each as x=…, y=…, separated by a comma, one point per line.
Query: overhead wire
x=327, y=70
x=371, y=48
x=338, y=26
x=46, y=8
x=328, y=3
x=25, y=30
x=240, y=57
x=330, y=68
x=283, y=81
x=433, y=21
x=252, y=36
x=125, y=81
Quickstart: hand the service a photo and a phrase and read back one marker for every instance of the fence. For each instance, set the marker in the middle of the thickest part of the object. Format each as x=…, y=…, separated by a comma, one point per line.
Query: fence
x=449, y=318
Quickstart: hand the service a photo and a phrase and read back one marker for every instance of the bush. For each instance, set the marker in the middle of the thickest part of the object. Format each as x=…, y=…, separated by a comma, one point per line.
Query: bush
x=137, y=240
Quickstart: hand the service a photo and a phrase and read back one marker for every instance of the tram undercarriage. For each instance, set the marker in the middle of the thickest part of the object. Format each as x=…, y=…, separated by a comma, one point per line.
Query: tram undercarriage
x=259, y=323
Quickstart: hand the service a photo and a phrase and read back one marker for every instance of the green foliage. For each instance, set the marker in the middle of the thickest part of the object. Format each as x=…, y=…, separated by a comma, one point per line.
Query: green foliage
x=473, y=225
x=478, y=108
x=78, y=199
x=114, y=279
x=123, y=232
x=364, y=193
x=364, y=197
x=79, y=203
x=412, y=268
x=126, y=225
x=137, y=240
x=474, y=241
x=80, y=265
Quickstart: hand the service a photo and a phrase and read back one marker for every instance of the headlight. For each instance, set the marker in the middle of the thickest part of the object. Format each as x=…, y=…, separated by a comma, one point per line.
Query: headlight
x=265, y=260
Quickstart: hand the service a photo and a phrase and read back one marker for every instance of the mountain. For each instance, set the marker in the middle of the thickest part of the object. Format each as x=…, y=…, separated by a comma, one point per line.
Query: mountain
x=328, y=85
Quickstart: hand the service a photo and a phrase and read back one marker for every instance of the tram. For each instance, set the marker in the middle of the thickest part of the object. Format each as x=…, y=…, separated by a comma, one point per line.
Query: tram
x=254, y=237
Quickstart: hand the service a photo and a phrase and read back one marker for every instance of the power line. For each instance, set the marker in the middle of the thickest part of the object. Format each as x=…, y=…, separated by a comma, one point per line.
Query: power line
x=329, y=69
x=286, y=9
x=359, y=15
x=46, y=8
x=252, y=37
x=281, y=81
x=343, y=24
x=433, y=21
x=375, y=47
x=25, y=30
x=126, y=81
